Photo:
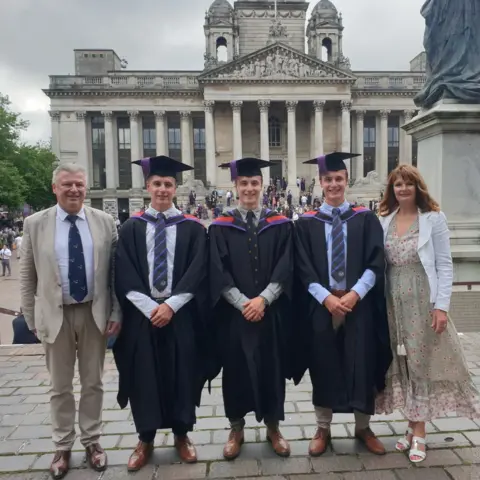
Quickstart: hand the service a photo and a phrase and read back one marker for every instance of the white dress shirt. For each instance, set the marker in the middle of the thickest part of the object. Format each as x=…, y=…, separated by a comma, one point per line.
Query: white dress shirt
x=363, y=285
x=144, y=303
x=62, y=229
x=5, y=253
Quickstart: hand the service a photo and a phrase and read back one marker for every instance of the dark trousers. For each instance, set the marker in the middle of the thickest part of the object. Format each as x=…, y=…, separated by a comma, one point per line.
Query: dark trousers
x=179, y=430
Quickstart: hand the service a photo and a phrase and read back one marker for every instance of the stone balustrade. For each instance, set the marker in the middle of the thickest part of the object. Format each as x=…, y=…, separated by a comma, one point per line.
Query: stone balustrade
x=395, y=81
x=126, y=80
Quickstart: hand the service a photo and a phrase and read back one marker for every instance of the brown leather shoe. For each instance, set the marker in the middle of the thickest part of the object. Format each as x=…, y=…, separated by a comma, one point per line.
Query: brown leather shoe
x=370, y=440
x=139, y=458
x=232, y=448
x=279, y=444
x=96, y=457
x=60, y=464
x=319, y=442
x=186, y=449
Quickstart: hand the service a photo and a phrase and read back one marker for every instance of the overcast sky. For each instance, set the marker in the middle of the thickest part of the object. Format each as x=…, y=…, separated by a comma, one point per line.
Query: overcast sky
x=37, y=38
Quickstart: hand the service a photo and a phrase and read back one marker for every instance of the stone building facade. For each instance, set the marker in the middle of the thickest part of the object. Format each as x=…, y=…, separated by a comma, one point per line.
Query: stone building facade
x=265, y=91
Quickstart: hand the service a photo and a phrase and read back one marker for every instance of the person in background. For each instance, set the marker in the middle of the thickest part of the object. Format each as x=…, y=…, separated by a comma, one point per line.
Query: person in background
x=429, y=377
x=18, y=244
x=5, y=255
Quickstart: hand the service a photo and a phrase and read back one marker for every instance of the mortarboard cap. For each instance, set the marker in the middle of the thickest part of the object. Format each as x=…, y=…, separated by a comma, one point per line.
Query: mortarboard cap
x=332, y=162
x=246, y=167
x=162, y=166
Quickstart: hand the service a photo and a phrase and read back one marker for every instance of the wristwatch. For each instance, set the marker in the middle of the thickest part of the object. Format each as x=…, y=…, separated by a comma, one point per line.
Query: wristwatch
x=265, y=301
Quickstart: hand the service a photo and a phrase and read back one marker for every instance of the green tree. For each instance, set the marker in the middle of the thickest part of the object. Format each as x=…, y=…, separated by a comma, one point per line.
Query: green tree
x=12, y=186
x=25, y=170
x=35, y=165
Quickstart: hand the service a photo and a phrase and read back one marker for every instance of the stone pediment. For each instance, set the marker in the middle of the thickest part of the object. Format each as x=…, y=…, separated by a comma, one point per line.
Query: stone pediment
x=277, y=62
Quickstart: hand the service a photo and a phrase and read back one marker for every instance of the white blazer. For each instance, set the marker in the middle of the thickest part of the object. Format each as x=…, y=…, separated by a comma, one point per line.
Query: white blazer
x=435, y=254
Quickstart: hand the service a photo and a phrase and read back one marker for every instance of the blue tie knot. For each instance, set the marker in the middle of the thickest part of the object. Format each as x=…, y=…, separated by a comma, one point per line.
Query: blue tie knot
x=336, y=212
x=160, y=216
x=72, y=219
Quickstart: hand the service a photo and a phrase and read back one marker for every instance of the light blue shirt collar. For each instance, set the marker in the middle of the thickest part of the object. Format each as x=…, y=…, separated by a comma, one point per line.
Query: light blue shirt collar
x=62, y=214
x=328, y=209
x=171, y=212
x=243, y=212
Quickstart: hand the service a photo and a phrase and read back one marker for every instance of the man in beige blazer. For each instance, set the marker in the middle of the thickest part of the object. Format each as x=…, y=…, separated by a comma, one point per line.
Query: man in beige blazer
x=66, y=274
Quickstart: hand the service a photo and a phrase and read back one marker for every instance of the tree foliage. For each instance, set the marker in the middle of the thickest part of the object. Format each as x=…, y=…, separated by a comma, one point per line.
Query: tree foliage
x=25, y=170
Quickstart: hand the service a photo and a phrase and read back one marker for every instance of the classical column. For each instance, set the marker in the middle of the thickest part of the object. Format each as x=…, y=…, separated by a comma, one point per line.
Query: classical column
x=55, y=116
x=237, y=128
x=406, y=139
x=346, y=131
x=292, y=145
x=264, y=106
x=138, y=181
x=382, y=162
x=358, y=163
x=318, y=106
x=161, y=139
x=109, y=151
x=186, y=143
x=210, y=149
x=83, y=150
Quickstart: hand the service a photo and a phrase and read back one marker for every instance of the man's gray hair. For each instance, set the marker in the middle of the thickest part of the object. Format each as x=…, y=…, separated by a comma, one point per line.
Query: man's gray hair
x=69, y=167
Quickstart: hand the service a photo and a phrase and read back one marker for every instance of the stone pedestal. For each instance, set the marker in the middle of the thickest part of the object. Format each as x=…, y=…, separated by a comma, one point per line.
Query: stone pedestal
x=135, y=204
x=110, y=205
x=366, y=189
x=448, y=138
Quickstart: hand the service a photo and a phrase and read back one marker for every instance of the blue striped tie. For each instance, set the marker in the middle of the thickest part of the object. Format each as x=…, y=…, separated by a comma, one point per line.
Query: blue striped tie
x=338, y=247
x=160, y=270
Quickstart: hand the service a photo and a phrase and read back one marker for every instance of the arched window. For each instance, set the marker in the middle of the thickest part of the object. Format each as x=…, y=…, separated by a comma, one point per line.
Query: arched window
x=222, y=51
x=274, y=132
x=327, y=49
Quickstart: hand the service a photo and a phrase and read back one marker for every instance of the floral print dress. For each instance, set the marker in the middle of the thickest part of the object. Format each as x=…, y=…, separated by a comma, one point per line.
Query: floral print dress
x=433, y=378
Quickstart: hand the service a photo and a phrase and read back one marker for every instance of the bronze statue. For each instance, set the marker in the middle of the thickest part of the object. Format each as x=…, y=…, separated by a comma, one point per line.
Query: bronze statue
x=452, y=45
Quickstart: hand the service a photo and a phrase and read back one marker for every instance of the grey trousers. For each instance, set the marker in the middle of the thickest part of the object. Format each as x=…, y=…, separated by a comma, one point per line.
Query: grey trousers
x=325, y=415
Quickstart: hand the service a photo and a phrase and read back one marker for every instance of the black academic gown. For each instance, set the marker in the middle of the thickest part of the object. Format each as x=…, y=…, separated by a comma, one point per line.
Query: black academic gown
x=347, y=367
x=254, y=356
x=162, y=370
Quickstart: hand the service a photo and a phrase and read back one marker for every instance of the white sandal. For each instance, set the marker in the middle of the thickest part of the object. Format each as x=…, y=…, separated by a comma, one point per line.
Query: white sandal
x=415, y=452
x=402, y=443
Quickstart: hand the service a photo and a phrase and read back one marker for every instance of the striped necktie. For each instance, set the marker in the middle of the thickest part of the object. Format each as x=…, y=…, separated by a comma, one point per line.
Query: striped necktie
x=338, y=247
x=160, y=270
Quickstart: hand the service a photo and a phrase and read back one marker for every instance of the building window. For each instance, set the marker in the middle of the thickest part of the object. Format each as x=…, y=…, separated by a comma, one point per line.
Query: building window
x=174, y=138
x=124, y=138
x=369, y=137
x=393, y=137
x=124, y=153
x=99, y=180
x=149, y=137
x=274, y=132
x=85, y=55
x=199, y=153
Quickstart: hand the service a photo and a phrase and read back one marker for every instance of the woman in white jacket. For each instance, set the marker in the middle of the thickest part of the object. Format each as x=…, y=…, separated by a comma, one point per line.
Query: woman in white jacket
x=429, y=376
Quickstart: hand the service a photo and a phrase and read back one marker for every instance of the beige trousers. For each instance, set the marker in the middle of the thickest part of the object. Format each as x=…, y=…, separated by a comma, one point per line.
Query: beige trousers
x=79, y=338
x=325, y=415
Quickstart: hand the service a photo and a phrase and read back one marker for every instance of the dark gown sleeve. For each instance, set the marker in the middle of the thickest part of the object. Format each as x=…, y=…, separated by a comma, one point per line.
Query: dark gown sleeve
x=304, y=275
x=283, y=271
x=375, y=260
x=128, y=276
x=220, y=277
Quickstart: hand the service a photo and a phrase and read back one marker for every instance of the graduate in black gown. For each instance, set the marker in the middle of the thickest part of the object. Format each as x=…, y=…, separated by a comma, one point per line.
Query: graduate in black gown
x=251, y=268
x=161, y=263
x=343, y=340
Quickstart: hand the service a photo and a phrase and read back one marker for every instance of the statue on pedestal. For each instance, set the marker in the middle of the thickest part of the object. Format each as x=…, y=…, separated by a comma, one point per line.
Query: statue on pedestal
x=452, y=45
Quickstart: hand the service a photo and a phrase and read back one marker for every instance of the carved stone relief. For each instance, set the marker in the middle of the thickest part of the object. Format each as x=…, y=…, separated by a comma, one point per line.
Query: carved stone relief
x=279, y=62
x=110, y=206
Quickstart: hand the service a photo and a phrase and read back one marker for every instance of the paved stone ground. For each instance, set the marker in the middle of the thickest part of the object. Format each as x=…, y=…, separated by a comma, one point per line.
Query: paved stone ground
x=26, y=448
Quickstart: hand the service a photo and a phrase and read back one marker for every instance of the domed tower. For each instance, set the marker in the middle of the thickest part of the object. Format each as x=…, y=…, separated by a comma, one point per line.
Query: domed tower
x=325, y=33
x=221, y=34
